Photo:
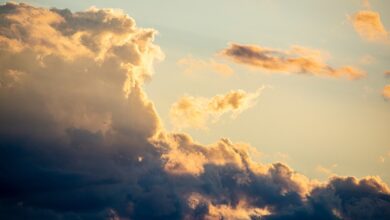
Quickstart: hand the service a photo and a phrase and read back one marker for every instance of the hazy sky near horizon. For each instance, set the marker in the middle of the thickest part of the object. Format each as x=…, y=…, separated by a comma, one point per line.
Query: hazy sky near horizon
x=317, y=124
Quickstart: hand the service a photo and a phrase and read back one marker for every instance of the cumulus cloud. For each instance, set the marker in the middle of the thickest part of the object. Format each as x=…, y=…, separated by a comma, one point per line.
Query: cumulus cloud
x=296, y=60
x=79, y=138
x=369, y=26
x=192, y=65
x=196, y=112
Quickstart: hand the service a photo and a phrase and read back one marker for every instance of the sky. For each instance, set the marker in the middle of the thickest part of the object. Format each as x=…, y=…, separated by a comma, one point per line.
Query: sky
x=195, y=108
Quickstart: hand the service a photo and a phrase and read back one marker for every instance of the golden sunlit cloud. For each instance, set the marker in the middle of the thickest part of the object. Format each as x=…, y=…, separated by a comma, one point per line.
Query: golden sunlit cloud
x=241, y=211
x=192, y=65
x=369, y=26
x=386, y=92
x=197, y=112
x=183, y=147
x=297, y=60
x=80, y=139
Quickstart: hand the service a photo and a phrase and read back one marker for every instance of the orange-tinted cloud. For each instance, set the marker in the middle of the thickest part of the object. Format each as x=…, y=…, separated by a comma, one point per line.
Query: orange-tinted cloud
x=183, y=147
x=297, y=60
x=386, y=92
x=79, y=138
x=241, y=211
x=196, y=112
x=192, y=65
x=386, y=89
x=369, y=26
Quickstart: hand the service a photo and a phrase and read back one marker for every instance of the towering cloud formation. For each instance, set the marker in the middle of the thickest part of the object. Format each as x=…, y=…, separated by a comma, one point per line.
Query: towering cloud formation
x=297, y=60
x=79, y=139
x=369, y=26
x=195, y=112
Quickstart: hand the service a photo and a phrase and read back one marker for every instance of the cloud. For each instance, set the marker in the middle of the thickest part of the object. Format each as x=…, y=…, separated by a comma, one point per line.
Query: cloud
x=192, y=65
x=79, y=138
x=386, y=92
x=368, y=25
x=327, y=171
x=196, y=112
x=383, y=158
x=297, y=60
x=386, y=89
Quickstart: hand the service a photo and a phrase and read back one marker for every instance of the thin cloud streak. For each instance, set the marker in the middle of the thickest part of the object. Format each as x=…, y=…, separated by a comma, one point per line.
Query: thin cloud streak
x=192, y=65
x=296, y=60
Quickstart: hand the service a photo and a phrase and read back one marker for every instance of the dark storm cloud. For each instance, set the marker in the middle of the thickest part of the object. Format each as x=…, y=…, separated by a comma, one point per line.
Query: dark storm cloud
x=344, y=198
x=79, y=139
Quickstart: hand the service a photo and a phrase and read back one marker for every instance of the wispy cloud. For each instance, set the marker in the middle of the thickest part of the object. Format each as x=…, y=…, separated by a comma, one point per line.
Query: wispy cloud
x=192, y=65
x=386, y=89
x=383, y=158
x=327, y=171
x=197, y=112
x=386, y=92
x=296, y=60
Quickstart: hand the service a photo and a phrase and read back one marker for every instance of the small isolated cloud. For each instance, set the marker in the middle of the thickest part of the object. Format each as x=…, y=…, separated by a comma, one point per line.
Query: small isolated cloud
x=384, y=158
x=369, y=26
x=386, y=92
x=296, y=60
x=196, y=112
x=327, y=171
x=192, y=65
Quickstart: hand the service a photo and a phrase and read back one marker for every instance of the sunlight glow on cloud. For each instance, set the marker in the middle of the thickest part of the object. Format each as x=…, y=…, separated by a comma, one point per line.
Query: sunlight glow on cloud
x=296, y=60
x=386, y=89
x=369, y=26
x=80, y=139
x=196, y=112
x=386, y=92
